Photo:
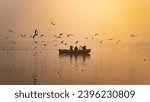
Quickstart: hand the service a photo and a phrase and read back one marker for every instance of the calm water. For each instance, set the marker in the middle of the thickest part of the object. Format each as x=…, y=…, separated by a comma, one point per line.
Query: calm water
x=108, y=64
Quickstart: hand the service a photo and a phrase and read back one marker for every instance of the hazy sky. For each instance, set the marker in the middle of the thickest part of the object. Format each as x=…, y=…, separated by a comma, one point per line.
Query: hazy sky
x=110, y=18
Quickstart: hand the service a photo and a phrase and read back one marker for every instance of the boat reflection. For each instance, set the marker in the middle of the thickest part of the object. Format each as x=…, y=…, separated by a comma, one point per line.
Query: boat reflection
x=84, y=57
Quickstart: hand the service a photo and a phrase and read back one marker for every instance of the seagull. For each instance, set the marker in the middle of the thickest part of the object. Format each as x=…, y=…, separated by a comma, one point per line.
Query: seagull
x=62, y=41
x=42, y=35
x=10, y=31
x=58, y=36
x=76, y=42
x=96, y=34
x=61, y=34
x=133, y=35
x=118, y=41
x=35, y=48
x=70, y=35
x=101, y=41
x=35, y=42
x=53, y=23
x=23, y=35
x=35, y=33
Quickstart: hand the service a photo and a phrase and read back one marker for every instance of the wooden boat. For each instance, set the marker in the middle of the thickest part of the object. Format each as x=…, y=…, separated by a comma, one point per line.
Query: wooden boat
x=66, y=51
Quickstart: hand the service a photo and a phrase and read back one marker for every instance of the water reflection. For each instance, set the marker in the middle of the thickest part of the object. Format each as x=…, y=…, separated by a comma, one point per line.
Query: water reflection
x=69, y=64
x=76, y=57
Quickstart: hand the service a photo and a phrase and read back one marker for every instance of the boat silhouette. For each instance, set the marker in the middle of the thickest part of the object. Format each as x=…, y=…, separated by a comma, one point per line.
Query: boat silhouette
x=67, y=51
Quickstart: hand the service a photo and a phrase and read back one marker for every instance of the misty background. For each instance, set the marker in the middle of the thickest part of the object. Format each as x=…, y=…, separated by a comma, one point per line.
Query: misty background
x=116, y=19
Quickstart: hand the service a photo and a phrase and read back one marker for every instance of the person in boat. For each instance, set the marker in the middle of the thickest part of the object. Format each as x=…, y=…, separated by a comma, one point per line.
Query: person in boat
x=84, y=47
x=76, y=48
x=71, y=47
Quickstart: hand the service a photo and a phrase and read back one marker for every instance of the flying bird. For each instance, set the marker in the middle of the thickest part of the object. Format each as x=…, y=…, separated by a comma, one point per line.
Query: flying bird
x=59, y=36
x=52, y=23
x=35, y=42
x=118, y=41
x=62, y=41
x=23, y=36
x=96, y=34
x=76, y=42
x=101, y=41
x=10, y=31
x=42, y=35
x=35, y=33
x=133, y=35
x=35, y=48
x=70, y=35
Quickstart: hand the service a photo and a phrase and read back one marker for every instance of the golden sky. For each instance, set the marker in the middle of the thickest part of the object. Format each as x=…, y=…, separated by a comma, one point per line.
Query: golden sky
x=110, y=18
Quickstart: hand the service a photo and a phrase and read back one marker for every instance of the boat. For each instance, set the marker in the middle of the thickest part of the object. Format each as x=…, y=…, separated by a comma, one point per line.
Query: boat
x=66, y=51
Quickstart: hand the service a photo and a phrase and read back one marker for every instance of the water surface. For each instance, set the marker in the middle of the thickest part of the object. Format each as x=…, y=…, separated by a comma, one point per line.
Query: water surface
x=108, y=64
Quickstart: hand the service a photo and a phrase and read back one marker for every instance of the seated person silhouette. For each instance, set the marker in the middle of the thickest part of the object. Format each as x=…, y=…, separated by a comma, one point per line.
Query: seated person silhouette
x=76, y=48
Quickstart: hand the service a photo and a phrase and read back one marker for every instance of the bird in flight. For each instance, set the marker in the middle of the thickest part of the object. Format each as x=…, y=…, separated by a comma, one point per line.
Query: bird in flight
x=59, y=36
x=101, y=41
x=35, y=33
x=76, y=42
x=42, y=35
x=70, y=35
x=96, y=34
x=61, y=42
x=23, y=35
x=35, y=42
x=10, y=31
x=133, y=35
x=118, y=41
x=52, y=23
x=35, y=48
x=45, y=45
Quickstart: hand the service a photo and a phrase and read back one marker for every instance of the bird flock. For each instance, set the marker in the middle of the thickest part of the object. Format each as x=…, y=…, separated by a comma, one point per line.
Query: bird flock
x=58, y=38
